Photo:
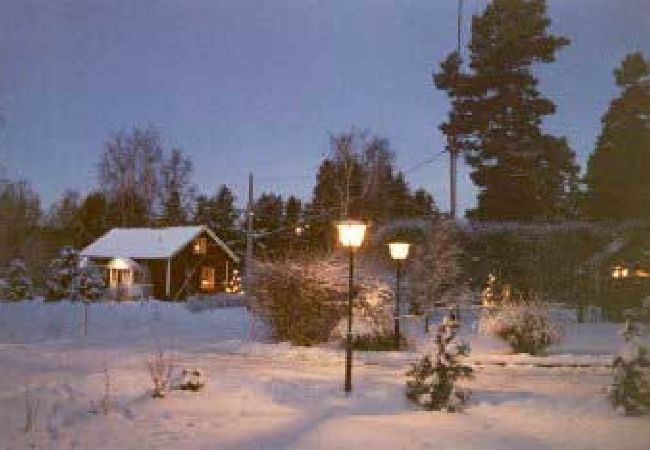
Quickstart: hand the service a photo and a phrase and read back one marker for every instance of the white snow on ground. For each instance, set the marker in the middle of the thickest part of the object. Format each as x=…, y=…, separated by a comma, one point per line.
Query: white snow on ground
x=275, y=396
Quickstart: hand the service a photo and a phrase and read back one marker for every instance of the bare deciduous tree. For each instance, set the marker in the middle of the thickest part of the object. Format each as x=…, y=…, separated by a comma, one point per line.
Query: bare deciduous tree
x=129, y=173
x=177, y=191
x=436, y=270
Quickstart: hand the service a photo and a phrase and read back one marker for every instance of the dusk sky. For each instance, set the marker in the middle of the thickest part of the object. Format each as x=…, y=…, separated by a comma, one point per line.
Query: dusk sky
x=258, y=85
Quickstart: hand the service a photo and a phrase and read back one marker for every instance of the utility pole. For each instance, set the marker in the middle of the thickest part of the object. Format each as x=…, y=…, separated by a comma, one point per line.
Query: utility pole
x=453, y=142
x=249, y=234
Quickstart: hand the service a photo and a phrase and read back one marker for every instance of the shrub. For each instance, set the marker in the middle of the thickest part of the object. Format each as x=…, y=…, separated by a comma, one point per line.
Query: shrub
x=300, y=302
x=160, y=371
x=630, y=389
x=527, y=327
x=433, y=379
x=377, y=342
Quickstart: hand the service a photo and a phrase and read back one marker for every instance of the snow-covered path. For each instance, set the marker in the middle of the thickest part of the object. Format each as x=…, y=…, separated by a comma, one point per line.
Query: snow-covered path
x=274, y=396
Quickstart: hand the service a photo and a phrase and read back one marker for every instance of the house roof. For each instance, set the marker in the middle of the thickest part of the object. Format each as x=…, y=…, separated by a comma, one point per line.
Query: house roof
x=148, y=243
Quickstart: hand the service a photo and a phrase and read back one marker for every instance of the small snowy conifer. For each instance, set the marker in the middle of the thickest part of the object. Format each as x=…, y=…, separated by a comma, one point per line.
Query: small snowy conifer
x=63, y=280
x=433, y=379
x=91, y=283
x=18, y=284
x=630, y=390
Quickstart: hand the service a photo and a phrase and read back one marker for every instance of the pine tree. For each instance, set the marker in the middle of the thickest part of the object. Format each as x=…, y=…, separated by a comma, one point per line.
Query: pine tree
x=617, y=172
x=496, y=114
x=18, y=283
x=433, y=379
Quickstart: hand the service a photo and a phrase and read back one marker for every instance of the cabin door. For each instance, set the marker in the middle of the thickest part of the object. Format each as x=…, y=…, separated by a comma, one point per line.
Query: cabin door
x=121, y=277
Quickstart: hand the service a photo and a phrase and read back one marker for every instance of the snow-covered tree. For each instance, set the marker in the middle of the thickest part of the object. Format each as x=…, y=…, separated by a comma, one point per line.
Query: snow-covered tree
x=67, y=279
x=63, y=279
x=630, y=390
x=18, y=285
x=435, y=269
x=433, y=380
x=91, y=283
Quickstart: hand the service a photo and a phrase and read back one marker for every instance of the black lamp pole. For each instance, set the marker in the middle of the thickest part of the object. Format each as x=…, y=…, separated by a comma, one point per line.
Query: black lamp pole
x=348, y=341
x=397, y=304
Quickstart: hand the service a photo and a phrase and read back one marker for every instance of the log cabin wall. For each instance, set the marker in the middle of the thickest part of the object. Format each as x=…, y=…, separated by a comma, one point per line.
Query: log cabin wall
x=187, y=261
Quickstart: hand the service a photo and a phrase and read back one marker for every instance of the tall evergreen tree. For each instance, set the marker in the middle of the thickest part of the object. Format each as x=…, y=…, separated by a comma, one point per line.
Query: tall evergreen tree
x=617, y=172
x=496, y=114
x=220, y=214
x=93, y=218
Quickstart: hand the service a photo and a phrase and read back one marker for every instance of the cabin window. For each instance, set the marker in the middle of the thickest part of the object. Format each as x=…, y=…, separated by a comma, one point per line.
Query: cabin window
x=207, y=278
x=620, y=272
x=201, y=246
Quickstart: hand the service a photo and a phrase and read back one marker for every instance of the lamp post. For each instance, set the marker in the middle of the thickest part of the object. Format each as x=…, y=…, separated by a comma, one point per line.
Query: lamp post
x=351, y=234
x=399, y=251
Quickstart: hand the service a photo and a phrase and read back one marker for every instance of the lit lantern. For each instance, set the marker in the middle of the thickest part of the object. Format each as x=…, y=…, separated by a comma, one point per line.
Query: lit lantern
x=399, y=251
x=351, y=233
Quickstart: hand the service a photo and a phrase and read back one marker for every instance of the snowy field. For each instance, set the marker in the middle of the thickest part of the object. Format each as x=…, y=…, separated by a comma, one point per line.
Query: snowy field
x=274, y=396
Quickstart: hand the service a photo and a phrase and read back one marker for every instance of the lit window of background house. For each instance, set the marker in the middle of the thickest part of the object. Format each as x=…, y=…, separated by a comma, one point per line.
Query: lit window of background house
x=201, y=246
x=207, y=278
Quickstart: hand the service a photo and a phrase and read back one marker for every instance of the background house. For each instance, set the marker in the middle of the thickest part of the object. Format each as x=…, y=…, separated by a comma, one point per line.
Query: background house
x=167, y=263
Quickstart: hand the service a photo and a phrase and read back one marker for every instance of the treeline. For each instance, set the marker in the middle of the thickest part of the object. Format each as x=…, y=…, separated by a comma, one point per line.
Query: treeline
x=143, y=184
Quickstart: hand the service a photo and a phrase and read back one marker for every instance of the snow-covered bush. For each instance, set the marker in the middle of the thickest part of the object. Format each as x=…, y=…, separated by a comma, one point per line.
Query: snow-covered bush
x=630, y=389
x=192, y=380
x=17, y=285
x=527, y=326
x=433, y=380
x=372, y=317
x=300, y=299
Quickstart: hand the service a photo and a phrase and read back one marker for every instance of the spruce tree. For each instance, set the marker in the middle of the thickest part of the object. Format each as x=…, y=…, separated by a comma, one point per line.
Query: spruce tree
x=18, y=283
x=433, y=380
x=497, y=109
x=617, y=172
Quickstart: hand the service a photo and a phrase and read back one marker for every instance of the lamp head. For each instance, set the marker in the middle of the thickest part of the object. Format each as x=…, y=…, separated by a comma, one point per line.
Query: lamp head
x=351, y=233
x=399, y=251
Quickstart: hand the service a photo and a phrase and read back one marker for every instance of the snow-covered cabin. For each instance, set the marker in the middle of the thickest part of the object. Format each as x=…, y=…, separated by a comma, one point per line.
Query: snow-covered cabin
x=168, y=263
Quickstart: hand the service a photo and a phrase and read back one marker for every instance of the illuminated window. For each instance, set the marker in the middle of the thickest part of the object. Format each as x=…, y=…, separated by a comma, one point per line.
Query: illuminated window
x=620, y=272
x=207, y=278
x=201, y=246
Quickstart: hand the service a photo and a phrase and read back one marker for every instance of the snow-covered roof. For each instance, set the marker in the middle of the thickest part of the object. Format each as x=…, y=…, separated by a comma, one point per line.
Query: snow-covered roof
x=148, y=243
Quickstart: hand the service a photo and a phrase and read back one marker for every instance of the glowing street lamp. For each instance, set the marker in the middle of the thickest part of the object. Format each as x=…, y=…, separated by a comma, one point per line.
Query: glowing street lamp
x=399, y=251
x=351, y=233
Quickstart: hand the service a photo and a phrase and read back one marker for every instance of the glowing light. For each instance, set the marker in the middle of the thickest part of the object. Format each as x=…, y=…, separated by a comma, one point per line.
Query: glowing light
x=620, y=272
x=351, y=233
x=399, y=250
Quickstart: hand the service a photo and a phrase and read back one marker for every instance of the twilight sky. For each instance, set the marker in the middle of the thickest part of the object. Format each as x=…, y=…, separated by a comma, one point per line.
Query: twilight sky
x=245, y=85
